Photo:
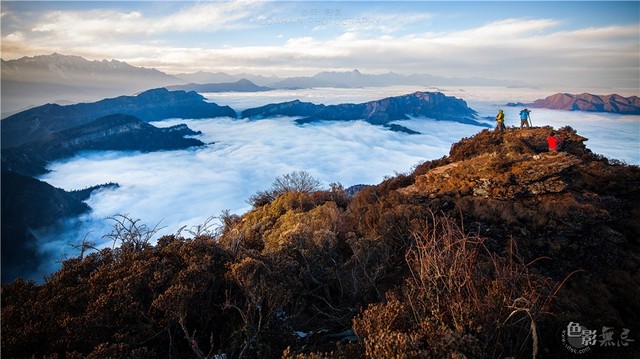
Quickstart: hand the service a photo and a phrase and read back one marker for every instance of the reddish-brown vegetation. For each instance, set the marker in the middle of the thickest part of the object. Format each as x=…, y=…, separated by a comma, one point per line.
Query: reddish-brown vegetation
x=488, y=252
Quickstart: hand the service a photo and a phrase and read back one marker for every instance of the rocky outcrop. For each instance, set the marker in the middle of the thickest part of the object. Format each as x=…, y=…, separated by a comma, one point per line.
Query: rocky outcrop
x=591, y=103
x=152, y=105
x=434, y=105
x=513, y=185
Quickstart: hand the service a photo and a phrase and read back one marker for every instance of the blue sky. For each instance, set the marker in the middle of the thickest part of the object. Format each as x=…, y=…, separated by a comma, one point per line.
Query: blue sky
x=577, y=43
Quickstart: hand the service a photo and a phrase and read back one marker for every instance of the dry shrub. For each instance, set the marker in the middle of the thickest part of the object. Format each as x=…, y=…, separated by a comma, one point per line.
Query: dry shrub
x=348, y=351
x=486, y=141
x=566, y=210
x=490, y=210
x=257, y=228
x=260, y=289
x=423, y=168
x=459, y=299
x=316, y=227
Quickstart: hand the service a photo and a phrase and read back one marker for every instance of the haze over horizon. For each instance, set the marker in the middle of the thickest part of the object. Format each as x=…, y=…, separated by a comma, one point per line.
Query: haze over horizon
x=572, y=44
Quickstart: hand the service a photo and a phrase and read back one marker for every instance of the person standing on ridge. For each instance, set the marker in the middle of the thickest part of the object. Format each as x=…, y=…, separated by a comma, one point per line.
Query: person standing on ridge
x=525, y=118
x=500, y=120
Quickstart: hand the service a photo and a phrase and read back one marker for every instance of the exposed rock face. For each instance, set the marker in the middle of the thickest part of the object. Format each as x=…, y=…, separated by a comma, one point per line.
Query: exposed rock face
x=114, y=132
x=592, y=103
x=433, y=105
x=531, y=175
x=152, y=105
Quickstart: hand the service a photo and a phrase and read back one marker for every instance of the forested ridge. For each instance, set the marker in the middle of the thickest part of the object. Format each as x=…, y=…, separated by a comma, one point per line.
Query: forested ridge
x=488, y=252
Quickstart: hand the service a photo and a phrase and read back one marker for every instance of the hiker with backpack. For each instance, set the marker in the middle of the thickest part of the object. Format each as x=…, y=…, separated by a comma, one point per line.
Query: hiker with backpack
x=500, y=120
x=525, y=118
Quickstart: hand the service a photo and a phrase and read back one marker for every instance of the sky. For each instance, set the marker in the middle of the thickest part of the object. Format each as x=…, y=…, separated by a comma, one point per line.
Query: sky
x=574, y=43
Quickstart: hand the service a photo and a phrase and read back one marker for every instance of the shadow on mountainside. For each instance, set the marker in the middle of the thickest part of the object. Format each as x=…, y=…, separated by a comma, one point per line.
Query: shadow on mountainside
x=488, y=252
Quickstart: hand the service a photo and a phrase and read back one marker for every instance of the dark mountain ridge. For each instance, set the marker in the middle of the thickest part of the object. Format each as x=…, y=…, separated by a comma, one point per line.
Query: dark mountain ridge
x=490, y=251
x=152, y=105
x=433, y=105
x=28, y=203
x=109, y=133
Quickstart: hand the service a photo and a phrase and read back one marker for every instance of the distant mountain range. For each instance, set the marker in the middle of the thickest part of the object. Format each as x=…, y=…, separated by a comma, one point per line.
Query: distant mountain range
x=152, y=105
x=242, y=85
x=434, y=105
x=56, y=78
x=344, y=79
x=33, y=81
x=587, y=102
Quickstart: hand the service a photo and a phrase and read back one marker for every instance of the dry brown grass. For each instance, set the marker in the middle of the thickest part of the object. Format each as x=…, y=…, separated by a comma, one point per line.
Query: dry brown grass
x=459, y=299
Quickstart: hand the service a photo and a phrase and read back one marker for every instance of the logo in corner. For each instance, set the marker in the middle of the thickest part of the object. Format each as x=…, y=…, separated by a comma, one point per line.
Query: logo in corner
x=578, y=339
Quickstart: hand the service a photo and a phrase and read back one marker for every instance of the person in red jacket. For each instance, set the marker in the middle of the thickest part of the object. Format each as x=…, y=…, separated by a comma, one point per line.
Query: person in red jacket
x=554, y=141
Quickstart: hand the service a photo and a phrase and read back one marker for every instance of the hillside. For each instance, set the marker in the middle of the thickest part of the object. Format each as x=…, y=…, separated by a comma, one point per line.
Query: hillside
x=488, y=252
x=29, y=203
x=591, y=103
x=152, y=105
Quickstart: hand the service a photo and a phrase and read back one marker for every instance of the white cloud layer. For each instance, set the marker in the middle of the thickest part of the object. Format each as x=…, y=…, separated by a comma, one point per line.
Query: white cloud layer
x=178, y=188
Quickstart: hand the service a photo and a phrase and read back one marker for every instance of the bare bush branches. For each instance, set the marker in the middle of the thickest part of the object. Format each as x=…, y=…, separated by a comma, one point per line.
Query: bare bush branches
x=131, y=234
x=297, y=181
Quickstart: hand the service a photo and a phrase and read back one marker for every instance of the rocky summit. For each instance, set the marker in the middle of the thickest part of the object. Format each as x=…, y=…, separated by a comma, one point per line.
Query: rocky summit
x=491, y=251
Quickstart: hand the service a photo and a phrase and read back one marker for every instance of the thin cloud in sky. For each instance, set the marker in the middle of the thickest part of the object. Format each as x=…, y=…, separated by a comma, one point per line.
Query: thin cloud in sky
x=201, y=17
x=535, y=44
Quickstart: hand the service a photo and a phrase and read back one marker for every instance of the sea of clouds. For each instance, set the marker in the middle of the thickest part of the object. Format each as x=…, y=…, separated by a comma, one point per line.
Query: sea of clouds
x=173, y=189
